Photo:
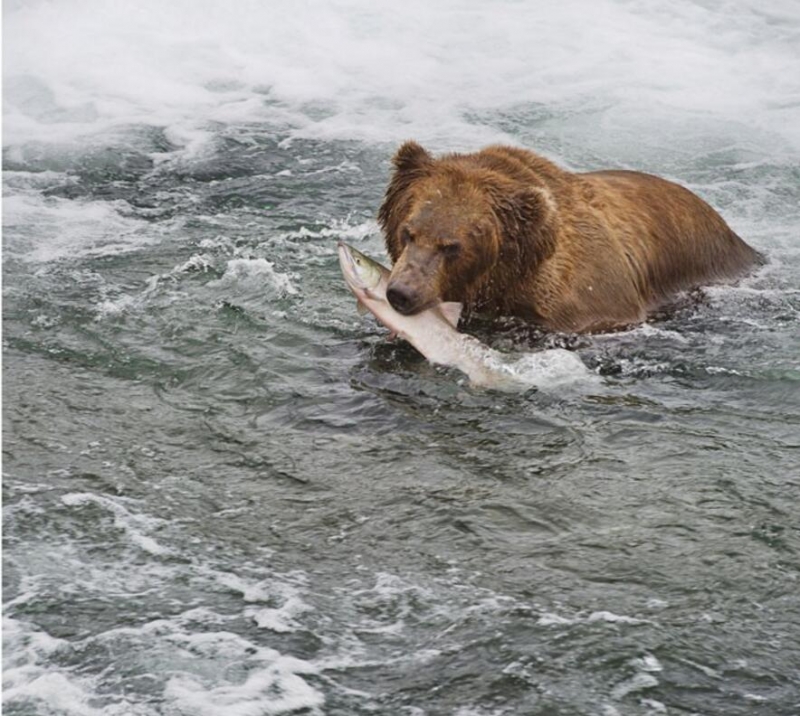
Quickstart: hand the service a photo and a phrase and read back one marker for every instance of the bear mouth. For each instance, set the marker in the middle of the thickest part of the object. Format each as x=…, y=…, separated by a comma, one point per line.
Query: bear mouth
x=408, y=302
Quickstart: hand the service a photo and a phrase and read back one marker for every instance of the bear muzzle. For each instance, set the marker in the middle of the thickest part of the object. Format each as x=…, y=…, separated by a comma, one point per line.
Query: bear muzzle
x=413, y=284
x=403, y=298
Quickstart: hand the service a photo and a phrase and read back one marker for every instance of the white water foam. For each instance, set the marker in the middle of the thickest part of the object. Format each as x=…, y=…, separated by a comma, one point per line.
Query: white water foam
x=196, y=683
x=353, y=69
x=255, y=274
x=552, y=368
x=338, y=229
x=637, y=682
x=43, y=229
x=282, y=619
x=552, y=619
x=195, y=665
x=242, y=278
x=134, y=525
x=274, y=686
x=546, y=369
x=29, y=676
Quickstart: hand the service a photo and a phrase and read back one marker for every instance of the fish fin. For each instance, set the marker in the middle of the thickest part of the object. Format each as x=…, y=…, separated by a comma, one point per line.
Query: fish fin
x=392, y=335
x=452, y=312
x=361, y=308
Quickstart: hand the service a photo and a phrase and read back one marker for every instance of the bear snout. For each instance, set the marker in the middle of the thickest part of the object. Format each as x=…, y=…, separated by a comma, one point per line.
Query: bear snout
x=403, y=299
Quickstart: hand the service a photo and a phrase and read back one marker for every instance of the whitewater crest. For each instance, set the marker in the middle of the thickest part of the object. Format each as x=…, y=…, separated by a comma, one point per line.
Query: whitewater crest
x=368, y=72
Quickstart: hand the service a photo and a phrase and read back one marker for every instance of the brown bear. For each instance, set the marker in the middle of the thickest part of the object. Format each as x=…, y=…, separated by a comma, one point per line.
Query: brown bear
x=507, y=232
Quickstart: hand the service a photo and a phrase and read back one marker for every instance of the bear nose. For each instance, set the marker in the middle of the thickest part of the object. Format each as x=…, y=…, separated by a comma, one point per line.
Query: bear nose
x=401, y=299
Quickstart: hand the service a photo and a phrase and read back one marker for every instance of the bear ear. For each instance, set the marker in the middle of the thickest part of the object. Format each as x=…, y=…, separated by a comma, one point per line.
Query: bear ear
x=528, y=213
x=530, y=208
x=411, y=163
x=411, y=157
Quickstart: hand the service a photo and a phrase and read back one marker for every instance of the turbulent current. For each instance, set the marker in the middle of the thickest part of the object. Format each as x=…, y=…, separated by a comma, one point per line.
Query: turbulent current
x=225, y=493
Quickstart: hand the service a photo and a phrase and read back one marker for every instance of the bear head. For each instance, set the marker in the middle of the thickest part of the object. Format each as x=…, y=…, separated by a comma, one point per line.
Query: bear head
x=453, y=227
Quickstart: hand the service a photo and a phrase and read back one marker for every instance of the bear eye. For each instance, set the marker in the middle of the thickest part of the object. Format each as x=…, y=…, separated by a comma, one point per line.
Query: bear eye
x=406, y=236
x=451, y=250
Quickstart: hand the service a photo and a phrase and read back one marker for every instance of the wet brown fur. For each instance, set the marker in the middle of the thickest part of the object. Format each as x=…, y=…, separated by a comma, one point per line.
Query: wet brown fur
x=506, y=231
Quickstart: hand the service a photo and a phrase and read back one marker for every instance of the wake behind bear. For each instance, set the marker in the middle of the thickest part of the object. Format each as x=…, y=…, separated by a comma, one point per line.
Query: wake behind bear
x=507, y=232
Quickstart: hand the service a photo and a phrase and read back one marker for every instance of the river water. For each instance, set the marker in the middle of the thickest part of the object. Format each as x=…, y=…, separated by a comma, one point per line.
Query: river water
x=226, y=494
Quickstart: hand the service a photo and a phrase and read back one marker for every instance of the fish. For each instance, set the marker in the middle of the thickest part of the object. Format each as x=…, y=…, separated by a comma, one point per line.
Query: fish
x=434, y=333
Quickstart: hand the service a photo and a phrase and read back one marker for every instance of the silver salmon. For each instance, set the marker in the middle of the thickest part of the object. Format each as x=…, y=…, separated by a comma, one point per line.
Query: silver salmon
x=433, y=333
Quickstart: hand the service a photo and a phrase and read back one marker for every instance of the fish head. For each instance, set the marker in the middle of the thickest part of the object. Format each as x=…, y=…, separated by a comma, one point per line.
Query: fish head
x=364, y=277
